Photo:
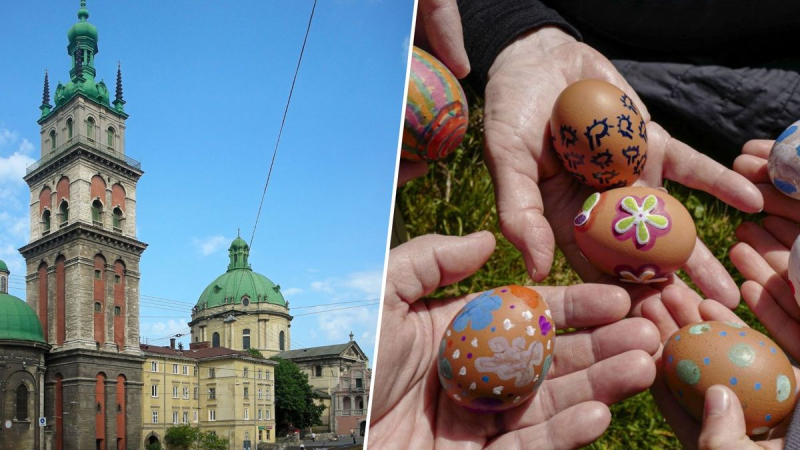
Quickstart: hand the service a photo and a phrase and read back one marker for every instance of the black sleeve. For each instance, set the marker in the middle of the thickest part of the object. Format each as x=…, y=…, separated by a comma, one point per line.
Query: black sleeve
x=792, y=441
x=490, y=25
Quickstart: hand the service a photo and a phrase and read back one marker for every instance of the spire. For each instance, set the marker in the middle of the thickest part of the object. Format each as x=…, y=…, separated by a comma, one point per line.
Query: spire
x=119, y=103
x=46, y=107
x=83, y=13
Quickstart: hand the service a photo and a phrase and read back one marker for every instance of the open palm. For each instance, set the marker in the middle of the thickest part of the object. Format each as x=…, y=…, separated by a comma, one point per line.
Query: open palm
x=537, y=198
x=605, y=362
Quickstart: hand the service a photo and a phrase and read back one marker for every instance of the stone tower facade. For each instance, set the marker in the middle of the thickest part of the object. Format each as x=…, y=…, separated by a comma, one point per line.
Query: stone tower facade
x=83, y=258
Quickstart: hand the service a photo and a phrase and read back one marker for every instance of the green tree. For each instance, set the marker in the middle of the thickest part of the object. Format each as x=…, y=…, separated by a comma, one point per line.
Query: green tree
x=187, y=437
x=181, y=436
x=294, y=398
x=255, y=353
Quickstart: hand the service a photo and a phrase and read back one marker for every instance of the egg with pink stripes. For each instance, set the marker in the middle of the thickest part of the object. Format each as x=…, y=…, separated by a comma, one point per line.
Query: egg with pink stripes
x=436, y=113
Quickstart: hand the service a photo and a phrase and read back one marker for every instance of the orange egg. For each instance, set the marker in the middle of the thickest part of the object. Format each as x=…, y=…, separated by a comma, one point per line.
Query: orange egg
x=599, y=135
x=497, y=350
x=703, y=354
x=638, y=234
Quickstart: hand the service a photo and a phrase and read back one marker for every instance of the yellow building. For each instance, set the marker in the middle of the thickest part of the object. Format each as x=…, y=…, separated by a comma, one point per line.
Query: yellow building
x=339, y=373
x=218, y=389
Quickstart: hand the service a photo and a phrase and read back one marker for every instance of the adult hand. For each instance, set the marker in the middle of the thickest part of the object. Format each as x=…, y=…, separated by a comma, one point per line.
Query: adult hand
x=723, y=426
x=536, y=196
x=605, y=362
x=752, y=164
x=439, y=29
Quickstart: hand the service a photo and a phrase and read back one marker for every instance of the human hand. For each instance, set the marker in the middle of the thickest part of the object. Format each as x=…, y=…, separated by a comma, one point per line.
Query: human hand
x=605, y=362
x=537, y=198
x=752, y=164
x=439, y=29
x=723, y=425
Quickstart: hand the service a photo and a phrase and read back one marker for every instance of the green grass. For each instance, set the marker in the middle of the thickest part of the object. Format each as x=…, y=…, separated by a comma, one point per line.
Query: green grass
x=456, y=197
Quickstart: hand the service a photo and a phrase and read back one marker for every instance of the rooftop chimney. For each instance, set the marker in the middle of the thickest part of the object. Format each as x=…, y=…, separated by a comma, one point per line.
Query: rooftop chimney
x=172, y=343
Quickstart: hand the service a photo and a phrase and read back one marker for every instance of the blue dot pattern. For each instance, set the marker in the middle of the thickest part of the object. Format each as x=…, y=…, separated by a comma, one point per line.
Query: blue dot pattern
x=772, y=350
x=758, y=386
x=669, y=360
x=768, y=417
x=678, y=337
x=485, y=379
x=734, y=381
x=742, y=333
x=787, y=132
x=785, y=186
x=706, y=360
x=723, y=333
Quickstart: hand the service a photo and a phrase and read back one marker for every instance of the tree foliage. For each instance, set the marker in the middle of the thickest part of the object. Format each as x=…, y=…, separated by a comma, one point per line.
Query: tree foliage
x=187, y=437
x=255, y=353
x=294, y=398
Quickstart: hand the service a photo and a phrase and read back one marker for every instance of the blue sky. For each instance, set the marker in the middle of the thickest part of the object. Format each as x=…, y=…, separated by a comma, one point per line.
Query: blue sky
x=206, y=85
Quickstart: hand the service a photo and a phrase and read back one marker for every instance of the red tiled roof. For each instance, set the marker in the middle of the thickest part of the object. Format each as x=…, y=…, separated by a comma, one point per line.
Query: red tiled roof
x=194, y=354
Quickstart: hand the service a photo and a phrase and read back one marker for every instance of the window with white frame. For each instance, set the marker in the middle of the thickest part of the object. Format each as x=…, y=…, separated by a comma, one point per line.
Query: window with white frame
x=260, y=414
x=269, y=394
x=154, y=390
x=211, y=373
x=269, y=413
x=196, y=392
x=186, y=370
x=212, y=415
x=245, y=372
x=212, y=393
x=268, y=375
x=259, y=374
x=186, y=392
x=246, y=414
x=260, y=394
x=186, y=417
x=175, y=417
x=194, y=371
x=174, y=391
x=195, y=416
x=175, y=368
x=155, y=416
x=246, y=392
x=154, y=366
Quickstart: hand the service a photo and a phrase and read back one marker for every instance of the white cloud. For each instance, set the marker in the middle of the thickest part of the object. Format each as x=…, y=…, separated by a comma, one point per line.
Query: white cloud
x=15, y=157
x=324, y=286
x=291, y=291
x=337, y=325
x=357, y=283
x=160, y=329
x=404, y=53
x=210, y=244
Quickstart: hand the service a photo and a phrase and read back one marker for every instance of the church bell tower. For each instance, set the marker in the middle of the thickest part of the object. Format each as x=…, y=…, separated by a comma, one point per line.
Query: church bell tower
x=83, y=256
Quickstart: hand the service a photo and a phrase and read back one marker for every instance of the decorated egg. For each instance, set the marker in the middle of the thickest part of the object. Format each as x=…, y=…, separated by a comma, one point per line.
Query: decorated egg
x=784, y=162
x=638, y=234
x=599, y=135
x=436, y=110
x=794, y=269
x=496, y=352
x=701, y=355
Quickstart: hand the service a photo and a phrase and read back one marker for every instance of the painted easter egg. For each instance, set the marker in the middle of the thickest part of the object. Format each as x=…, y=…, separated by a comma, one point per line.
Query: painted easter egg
x=701, y=355
x=794, y=269
x=639, y=234
x=436, y=110
x=599, y=135
x=784, y=162
x=497, y=350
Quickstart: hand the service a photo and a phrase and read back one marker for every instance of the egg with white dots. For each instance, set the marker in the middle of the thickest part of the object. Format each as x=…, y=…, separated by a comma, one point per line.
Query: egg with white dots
x=705, y=354
x=497, y=350
x=784, y=161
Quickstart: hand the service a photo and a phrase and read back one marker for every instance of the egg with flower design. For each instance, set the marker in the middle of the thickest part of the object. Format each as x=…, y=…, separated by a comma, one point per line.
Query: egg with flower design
x=638, y=234
x=436, y=115
x=705, y=354
x=497, y=350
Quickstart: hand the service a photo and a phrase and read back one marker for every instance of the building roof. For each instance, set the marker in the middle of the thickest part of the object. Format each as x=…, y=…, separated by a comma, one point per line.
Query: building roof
x=3, y=266
x=240, y=283
x=199, y=354
x=18, y=321
x=325, y=351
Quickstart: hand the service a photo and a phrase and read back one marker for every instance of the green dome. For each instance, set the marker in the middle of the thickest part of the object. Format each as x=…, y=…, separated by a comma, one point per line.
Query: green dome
x=3, y=266
x=18, y=321
x=82, y=29
x=240, y=282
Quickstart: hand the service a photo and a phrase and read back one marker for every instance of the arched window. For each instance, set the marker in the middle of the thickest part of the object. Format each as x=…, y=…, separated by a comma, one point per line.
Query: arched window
x=52, y=140
x=3, y=285
x=22, y=402
x=215, y=340
x=97, y=211
x=246, y=339
x=64, y=210
x=346, y=405
x=46, y=221
x=117, y=219
x=281, y=341
x=90, y=128
x=110, y=137
x=69, y=128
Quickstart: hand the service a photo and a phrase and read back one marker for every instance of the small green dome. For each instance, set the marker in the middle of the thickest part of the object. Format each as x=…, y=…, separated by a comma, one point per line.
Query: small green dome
x=82, y=29
x=3, y=266
x=240, y=282
x=18, y=321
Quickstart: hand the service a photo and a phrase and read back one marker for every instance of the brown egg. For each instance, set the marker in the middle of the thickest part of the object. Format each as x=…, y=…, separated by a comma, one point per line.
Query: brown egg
x=497, y=350
x=639, y=234
x=599, y=135
x=701, y=355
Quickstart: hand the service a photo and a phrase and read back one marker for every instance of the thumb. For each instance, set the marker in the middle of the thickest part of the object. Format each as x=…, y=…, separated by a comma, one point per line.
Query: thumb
x=723, y=421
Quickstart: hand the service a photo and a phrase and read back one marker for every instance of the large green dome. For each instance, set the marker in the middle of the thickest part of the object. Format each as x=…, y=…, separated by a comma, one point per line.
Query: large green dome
x=18, y=321
x=240, y=283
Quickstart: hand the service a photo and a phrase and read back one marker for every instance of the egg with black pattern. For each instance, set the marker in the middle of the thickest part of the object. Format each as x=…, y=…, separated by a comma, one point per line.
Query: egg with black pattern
x=704, y=354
